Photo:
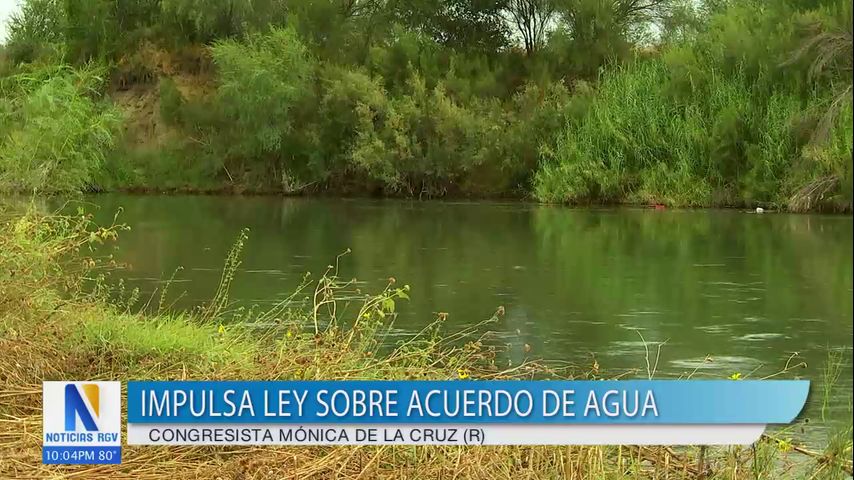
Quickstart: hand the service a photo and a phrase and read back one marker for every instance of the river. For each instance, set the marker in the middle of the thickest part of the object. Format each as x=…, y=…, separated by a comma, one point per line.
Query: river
x=729, y=292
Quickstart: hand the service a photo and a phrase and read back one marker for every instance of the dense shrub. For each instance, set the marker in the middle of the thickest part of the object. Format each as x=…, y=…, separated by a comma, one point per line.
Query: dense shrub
x=728, y=117
x=36, y=30
x=537, y=114
x=56, y=133
x=422, y=143
x=260, y=79
x=171, y=101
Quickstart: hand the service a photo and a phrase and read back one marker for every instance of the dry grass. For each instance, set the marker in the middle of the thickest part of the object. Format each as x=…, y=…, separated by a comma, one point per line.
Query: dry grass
x=813, y=193
x=36, y=351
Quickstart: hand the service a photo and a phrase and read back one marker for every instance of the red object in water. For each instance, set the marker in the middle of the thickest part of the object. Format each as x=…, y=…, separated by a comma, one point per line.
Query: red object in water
x=659, y=206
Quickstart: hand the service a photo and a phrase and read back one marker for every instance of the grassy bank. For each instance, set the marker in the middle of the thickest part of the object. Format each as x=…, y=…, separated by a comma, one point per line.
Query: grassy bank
x=723, y=118
x=59, y=319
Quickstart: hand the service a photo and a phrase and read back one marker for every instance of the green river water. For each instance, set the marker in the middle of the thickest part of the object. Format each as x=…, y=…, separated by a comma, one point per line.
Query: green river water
x=728, y=291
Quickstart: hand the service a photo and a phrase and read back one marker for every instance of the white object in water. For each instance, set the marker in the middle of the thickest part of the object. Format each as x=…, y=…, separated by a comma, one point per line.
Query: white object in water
x=760, y=210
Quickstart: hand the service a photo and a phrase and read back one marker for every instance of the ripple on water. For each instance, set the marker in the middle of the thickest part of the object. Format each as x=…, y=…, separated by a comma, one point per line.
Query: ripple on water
x=627, y=347
x=722, y=328
x=638, y=313
x=809, y=320
x=628, y=326
x=744, y=300
x=726, y=363
x=629, y=343
x=759, y=337
x=585, y=322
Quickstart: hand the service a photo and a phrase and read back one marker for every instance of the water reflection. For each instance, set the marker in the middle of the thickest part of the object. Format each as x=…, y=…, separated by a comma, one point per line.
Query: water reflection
x=727, y=291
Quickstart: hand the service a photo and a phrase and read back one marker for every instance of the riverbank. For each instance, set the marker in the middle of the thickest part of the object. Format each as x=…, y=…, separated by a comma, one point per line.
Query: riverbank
x=59, y=319
x=233, y=191
x=737, y=104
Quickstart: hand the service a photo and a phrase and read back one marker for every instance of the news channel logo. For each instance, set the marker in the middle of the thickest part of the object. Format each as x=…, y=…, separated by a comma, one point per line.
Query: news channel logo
x=82, y=422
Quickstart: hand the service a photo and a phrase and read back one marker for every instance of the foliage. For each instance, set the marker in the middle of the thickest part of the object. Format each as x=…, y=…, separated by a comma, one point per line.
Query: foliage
x=38, y=26
x=667, y=101
x=207, y=20
x=56, y=133
x=171, y=101
x=260, y=80
x=420, y=143
x=730, y=117
x=597, y=28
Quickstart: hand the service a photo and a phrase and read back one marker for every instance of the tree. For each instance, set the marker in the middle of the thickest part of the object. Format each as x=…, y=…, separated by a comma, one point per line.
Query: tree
x=531, y=20
x=628, y=15
x=38, y=24
x=38, y=20
x=638, y=11
x=360, y=8
x=463, y=25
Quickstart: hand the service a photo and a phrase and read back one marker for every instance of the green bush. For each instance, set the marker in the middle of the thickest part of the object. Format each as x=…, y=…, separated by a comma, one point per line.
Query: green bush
x=207, y=20
x=422, y=142
x=171, y=101
x=641, y=143
x=539, y=114
x=728, y=117
x=261, y=79
x=347, y=95
x=56, y=133
x=38, y=28
x=822, y=178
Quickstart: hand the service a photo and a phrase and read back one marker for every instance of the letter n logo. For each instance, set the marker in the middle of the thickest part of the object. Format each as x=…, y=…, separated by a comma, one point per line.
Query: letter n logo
x=76, y=407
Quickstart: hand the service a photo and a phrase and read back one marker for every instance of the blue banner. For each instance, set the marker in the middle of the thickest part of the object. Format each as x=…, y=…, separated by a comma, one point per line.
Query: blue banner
x=482, y=402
